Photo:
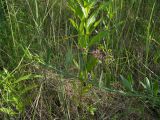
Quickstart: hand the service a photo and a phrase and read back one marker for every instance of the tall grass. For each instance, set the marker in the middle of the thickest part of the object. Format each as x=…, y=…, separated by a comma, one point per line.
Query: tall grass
x=37, y=35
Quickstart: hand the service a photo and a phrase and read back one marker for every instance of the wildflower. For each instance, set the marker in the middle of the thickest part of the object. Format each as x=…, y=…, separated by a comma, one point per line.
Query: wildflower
x=97, y=54
x=105, y=56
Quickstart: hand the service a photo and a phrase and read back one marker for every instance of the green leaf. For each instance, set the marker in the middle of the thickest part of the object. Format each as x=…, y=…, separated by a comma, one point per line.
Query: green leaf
x=18, y=103
x=74, y=24
x=91, y=20
x=8, y=111
x=82, y=41
x=23, y=78
x=28, y=88
x=148, y=84
x=76, y=64
x=86, y=89
x=91, y=109
x=27, y=52
x=84, y=8
x=127, y=84
x=91, y=63
x=75, y=8
x=81, y=27
x=27, y=77
x=93, y=27
x=156, y=57
x=144, y=86
x=155, y=87
x=96, y=39
x=85, y=13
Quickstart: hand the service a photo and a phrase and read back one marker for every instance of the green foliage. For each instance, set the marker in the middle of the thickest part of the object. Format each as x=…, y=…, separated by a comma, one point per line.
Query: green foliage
x=13, y=92
x=86, y=23
x=91, y=109
x=150, y=87
x=113, y=38
x=149, y=92
x=127, y=83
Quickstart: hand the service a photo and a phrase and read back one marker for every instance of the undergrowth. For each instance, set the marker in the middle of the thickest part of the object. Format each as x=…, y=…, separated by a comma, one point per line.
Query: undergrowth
x=79, y=59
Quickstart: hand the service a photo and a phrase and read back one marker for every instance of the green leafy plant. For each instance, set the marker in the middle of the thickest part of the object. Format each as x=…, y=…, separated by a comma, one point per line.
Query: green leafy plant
x=149, y=92
x=127, y=83
x=150, y=87
x=13, y=91
x=91, y=109
x=85, y=22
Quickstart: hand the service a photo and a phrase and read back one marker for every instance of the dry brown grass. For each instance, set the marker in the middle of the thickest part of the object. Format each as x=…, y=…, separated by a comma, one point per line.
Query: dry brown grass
x=60, y=98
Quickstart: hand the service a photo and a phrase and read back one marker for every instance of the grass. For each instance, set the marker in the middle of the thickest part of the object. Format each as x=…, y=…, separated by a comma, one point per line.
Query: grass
x=79, y=59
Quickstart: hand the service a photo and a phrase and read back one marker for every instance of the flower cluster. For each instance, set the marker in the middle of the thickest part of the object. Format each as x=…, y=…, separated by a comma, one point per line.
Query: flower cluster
x=106, y=56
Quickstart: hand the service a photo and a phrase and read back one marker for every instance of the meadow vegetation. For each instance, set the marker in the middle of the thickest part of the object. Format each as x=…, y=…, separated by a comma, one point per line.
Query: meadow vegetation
x=80, y=59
